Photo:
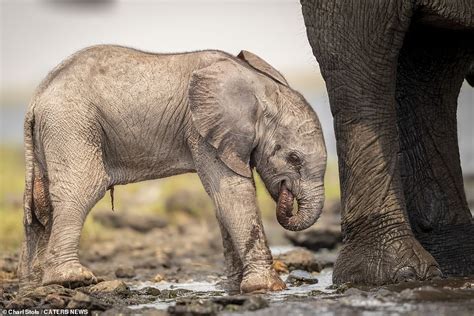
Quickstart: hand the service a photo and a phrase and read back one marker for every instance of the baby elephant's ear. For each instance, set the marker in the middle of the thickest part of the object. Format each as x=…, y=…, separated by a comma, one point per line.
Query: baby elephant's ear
x=262, y=66
x=224, y=109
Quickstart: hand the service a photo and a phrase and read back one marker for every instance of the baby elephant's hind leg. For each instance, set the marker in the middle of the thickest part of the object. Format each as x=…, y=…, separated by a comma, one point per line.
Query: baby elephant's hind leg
x=77, y=181
x=37, y=231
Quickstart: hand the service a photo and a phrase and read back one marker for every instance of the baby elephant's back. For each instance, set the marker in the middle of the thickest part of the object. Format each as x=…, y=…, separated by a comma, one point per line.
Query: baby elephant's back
x=134, y=96
x=119, y=82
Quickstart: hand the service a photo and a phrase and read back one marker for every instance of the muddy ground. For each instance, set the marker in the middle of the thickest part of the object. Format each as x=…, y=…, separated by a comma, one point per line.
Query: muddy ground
x=153, y=268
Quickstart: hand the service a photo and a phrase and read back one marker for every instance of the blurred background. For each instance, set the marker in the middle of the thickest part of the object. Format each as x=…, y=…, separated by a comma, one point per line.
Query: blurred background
x=37, y=34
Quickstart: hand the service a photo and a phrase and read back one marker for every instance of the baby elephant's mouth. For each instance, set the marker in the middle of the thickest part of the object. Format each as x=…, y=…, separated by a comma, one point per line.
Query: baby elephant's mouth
x=284, y=209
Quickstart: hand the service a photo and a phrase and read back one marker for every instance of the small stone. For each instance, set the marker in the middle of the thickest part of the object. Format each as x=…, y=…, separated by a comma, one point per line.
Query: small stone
x=21, y=303
x=80, y=300
x=467, y=285
x=316, y=293
x=382, y=292
x=158, y=278
x=279, y=266
x=173, y=293
x=339, y=288
x=194, y=307
x=255, y=303
x=153, y=291
x=115, y=286
x=300, y=277
x=241, y=302
x=55, y=301
x=125, y=272
x=83, y=301
x=300, y=259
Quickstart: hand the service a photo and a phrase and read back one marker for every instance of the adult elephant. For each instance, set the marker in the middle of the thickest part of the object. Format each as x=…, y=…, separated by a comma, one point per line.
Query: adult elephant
x=393, y=71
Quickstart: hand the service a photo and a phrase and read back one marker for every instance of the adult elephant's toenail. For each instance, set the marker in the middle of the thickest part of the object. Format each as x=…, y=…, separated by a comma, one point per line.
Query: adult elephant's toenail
x=433, y=273
x=405, y=274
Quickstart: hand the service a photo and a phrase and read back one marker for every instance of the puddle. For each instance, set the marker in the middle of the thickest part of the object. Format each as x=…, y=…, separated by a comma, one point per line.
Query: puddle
x=208, y=289
x=199, y=290
x=451, y=297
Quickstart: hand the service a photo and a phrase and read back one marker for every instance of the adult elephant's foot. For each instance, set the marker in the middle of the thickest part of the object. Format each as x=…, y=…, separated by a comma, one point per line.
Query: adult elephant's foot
x=262, y=281
x=453, y=248
x=384, y=261
x=70, y=274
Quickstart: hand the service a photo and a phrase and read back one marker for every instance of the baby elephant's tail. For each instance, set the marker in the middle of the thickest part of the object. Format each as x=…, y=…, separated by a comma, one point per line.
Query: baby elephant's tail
x=37, y=212
x=29, y=167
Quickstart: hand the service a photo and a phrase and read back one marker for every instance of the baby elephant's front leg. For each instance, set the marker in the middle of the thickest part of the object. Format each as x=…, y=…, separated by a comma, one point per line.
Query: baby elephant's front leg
x=248, y=258
x=239, y=217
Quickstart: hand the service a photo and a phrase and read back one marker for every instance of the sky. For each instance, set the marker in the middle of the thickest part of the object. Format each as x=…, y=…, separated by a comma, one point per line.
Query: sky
x=35, y=35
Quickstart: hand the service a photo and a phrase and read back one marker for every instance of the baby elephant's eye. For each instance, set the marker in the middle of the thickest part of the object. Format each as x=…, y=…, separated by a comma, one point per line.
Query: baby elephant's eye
x=294, y=159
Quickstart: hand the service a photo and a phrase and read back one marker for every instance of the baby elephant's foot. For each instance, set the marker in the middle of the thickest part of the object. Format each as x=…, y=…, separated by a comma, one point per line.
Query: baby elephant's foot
x=262, y=281
x=70, y=274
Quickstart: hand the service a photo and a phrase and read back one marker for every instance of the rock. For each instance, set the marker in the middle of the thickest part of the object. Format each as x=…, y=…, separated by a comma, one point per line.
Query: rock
x=22, y=303
x=125, y=272
x=300, y=277
x=174, y=293
x=158, y=278
x=316, y=239
x=340, y=288
x=80, y=300
x=213, y=306
x=83, y=301
x=153, y=291
x=244, y=303
x=430, y=293
x=316, y=293
x=140, y=222
x=279, y=266
x=467, y=285
x=115, y=286
x=43, y=291
x=382, y=292
x=56, y=301
x=300, y=259
x=194, y=307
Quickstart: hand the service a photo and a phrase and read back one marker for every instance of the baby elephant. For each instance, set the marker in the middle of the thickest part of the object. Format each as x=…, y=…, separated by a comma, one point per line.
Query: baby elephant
x=112, y=115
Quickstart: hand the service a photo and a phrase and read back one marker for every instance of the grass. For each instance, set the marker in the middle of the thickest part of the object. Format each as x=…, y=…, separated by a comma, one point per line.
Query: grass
x=164, y=197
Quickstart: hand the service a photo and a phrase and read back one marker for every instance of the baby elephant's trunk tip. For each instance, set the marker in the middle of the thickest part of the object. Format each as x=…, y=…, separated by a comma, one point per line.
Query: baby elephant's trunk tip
x=306, y=215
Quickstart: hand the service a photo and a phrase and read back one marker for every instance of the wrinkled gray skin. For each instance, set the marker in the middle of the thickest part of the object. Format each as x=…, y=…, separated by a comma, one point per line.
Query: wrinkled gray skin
x=111, y=115
x=393, y=71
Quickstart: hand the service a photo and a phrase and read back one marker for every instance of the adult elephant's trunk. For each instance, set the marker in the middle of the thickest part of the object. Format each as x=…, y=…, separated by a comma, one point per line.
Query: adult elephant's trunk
x=308, y=211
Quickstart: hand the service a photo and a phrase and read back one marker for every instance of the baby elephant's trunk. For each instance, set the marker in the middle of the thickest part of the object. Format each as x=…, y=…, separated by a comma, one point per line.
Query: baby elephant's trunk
x=308, y=212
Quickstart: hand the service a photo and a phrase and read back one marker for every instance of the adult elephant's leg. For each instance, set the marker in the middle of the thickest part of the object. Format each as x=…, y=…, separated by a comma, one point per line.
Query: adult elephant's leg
x=77, y=181
x=431, y=70
x=357, y=44
x=237, y=211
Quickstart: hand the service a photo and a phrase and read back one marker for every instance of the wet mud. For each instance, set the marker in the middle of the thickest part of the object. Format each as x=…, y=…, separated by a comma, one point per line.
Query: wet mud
x=178, y=269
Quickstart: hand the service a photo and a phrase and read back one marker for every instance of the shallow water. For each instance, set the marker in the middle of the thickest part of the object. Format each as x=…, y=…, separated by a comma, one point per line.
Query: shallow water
x=441, y=297
x=209, y=289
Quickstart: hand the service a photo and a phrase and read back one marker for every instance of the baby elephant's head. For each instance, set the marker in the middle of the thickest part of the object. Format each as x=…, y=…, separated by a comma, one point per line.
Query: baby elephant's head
x=245, y=109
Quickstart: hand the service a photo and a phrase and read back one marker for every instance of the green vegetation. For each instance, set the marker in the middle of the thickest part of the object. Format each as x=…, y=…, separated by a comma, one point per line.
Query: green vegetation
x=165, y=197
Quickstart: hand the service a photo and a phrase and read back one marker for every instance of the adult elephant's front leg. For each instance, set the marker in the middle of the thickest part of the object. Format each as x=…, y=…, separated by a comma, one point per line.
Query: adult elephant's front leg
x=241, y=226
x=431, y=69
x=357, y=44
